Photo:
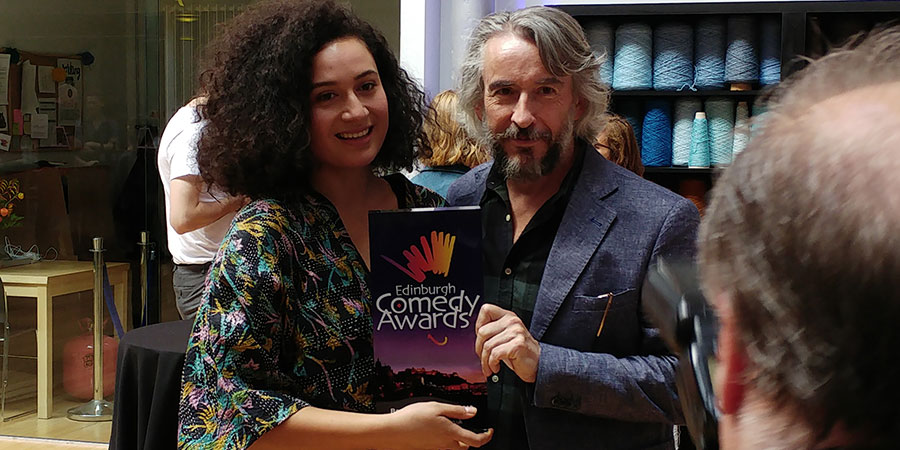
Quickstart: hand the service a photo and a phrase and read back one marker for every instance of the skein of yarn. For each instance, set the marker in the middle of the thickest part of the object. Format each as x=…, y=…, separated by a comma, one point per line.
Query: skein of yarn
x=685, y=110
x=699, y=141
x=632, y=66
x=656, y=150
x=600, y=35
x=741, y=58
x=759, y=107
x=720, y=112
x=741, y=128
x=770, y=51
x=673, y=57
x=709, y=53
x=758, y=114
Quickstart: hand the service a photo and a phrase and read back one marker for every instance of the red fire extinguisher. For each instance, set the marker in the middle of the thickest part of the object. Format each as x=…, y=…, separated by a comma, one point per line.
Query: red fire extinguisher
x=78, y=363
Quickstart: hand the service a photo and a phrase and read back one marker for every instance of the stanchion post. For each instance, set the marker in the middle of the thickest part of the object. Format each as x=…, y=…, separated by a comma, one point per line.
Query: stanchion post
x=98, y=409
x=98, y=318
x=145, y=268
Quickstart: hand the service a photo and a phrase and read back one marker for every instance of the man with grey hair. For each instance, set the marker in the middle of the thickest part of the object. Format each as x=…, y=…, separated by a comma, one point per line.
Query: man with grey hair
x=568, y=237
x=800, y=257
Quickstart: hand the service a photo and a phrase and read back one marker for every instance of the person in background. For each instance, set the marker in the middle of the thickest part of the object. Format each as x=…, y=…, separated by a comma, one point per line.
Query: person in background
x=305, y=103
x=453, y=152
x=617, y=143
x=197, y=217
x=800, y=258
x=568, y=237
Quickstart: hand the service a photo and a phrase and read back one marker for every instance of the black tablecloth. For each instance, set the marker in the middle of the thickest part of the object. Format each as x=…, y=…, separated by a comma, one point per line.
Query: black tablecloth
x=148, y=386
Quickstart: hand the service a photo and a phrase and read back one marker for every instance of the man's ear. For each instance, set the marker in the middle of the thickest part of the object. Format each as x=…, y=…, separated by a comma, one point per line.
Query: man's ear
x=479, y=112
x=731, y=381
x=580, y=108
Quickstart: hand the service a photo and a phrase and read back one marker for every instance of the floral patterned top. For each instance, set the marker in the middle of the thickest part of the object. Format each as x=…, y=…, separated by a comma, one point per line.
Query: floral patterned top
x=285, y=322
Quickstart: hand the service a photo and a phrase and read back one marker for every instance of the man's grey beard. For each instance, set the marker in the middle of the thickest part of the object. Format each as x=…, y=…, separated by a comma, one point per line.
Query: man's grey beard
x=529, y=169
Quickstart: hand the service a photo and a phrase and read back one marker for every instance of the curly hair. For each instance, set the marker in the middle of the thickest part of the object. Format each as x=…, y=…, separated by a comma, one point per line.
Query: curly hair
x=450, y=144
x=257, y=82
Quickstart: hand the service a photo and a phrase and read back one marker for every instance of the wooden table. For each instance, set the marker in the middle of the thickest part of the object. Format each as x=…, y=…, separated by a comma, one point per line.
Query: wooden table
x=47, y=279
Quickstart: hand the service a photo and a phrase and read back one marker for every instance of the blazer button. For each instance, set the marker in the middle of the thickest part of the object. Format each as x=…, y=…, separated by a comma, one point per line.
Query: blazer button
x=495, y=378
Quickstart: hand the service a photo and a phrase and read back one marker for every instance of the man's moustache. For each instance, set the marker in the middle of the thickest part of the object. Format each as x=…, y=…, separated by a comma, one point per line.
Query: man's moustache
x=526, y=134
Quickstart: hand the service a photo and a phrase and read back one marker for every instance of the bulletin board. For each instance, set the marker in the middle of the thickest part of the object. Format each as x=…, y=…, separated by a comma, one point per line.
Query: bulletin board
x=41, y=100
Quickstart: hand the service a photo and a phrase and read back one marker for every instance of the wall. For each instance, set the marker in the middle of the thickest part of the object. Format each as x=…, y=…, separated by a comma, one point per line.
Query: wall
x=382, y=14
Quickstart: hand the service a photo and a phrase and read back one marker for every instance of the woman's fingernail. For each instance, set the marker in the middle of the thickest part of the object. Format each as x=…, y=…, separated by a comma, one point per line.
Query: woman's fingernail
x=470, y=410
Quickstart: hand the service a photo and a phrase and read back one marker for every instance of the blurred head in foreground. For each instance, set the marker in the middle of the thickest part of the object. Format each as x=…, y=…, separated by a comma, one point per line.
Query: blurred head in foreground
x=800, y=256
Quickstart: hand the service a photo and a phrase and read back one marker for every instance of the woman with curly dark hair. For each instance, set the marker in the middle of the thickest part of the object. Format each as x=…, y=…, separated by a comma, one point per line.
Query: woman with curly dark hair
x=304, y=105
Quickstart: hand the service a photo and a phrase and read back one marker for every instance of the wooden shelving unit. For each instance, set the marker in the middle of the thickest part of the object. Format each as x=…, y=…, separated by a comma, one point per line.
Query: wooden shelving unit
x=807, y=28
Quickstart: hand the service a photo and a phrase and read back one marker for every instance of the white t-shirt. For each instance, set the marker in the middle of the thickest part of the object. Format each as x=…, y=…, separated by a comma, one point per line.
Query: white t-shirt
x=176, y=159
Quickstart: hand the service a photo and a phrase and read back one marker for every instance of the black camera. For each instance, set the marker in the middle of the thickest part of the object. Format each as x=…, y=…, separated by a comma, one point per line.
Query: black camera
x=673, y=303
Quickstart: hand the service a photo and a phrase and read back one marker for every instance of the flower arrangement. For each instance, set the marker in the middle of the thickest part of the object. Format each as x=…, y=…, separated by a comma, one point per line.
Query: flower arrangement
x=9, y=194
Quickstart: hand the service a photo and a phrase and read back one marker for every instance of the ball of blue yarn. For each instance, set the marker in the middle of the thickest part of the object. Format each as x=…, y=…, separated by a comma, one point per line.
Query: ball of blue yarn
x=741, y=128
x=673, y=57
x=757, y=116
x=709, y=53
x=685, y=110
x=720, y=114
x=770, y=51
x=656, y=150
x=699, y=142
x=741, y=58
x=600, y=35
x=632, y=65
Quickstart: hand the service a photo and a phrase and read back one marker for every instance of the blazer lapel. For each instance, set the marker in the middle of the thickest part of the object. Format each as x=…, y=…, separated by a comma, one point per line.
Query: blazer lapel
x=472, y=196
x=581, y=231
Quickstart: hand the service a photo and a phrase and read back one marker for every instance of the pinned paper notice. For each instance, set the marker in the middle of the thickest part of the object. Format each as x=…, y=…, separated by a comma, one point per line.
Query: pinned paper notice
x=4, y=79
x=39, y=126
x=46, y=85
x=51, y=138
x=47, y=106
x=18, y=122
x=69, y=110
x=29, y=95
x=5, y=140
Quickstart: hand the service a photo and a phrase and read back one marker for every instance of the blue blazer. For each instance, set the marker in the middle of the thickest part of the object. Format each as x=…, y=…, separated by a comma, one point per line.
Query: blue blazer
x=617, y=390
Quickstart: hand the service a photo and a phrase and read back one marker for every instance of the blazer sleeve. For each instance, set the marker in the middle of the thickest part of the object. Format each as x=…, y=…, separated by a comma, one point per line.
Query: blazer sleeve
x=638, y=388
x=234, y=382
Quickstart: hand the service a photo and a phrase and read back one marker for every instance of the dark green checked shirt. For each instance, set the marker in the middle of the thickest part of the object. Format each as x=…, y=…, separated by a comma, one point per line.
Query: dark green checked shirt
x=512, y=277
